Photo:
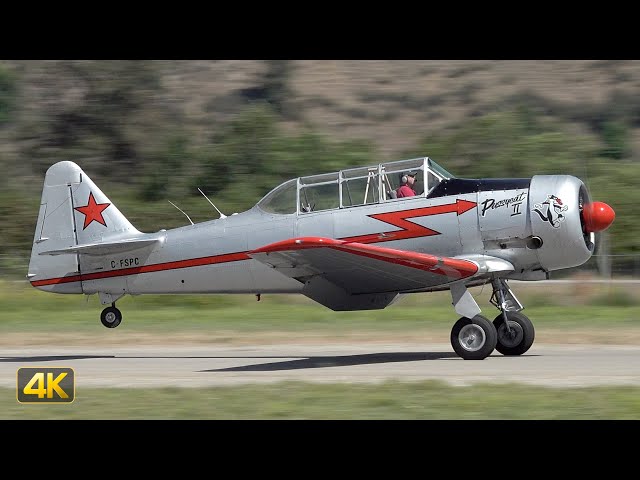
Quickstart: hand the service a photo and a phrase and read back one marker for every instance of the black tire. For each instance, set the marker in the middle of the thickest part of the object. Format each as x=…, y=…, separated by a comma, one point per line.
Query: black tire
x=473, y=339
x=522, y=334
x=111, y=317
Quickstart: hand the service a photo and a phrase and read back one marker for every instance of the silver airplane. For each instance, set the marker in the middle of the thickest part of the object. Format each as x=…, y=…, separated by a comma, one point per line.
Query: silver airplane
x=349, y=240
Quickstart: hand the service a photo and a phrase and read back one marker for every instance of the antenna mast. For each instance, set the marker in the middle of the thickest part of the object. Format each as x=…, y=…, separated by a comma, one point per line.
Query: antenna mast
x=180, y=210
x=222, y=215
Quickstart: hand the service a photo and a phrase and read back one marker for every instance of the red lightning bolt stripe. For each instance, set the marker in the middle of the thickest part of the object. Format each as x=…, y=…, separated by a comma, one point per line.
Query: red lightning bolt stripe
x=410, y=229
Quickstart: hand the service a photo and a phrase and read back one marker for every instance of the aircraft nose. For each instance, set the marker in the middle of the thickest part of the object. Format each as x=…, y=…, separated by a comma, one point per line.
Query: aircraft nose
x=598, y=216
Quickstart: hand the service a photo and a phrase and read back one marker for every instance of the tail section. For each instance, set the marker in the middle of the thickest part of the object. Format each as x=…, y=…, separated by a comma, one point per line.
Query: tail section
x=73, y=211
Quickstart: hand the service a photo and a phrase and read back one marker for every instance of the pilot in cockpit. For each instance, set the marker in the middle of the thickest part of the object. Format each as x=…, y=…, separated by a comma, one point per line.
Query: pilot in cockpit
x=407, y=181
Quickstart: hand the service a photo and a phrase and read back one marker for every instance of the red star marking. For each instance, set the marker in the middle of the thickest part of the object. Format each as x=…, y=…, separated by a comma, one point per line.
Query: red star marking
x=93, y=211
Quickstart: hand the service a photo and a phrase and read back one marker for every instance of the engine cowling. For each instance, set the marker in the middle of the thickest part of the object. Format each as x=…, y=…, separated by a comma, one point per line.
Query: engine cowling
x=564, y=220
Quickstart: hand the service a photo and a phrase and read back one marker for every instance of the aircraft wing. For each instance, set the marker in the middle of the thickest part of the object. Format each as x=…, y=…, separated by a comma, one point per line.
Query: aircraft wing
x=351, y=269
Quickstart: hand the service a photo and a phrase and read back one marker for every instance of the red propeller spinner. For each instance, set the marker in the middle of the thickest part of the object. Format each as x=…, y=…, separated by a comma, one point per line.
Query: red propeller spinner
x=598, y=216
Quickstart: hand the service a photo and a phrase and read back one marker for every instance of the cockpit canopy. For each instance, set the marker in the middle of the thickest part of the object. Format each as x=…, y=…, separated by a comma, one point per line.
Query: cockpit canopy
x=353, y=187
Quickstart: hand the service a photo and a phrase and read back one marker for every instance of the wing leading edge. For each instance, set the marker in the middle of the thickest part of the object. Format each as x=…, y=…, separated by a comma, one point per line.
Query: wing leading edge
x=337, y=272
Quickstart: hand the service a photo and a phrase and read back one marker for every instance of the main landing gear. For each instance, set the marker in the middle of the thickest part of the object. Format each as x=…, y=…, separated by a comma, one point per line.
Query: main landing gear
x=474, y=337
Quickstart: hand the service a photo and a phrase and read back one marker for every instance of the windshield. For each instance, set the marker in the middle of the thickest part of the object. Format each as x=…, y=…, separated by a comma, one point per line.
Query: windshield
x=439, y=170
x=281, y=199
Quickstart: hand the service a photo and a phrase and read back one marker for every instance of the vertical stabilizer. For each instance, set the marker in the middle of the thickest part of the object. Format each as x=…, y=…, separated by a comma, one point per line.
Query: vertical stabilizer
x=73, y=211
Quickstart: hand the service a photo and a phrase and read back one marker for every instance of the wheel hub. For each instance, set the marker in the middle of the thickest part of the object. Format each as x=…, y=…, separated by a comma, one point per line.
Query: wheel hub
x=110, y=317
x=512, y=337
x=471, y=337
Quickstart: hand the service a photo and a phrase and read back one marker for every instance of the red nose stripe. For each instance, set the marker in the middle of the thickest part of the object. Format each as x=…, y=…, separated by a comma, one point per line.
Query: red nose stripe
x=597, y=216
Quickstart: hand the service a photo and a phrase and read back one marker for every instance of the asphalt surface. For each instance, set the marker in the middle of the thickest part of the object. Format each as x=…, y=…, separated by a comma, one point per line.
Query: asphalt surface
x=200, y=366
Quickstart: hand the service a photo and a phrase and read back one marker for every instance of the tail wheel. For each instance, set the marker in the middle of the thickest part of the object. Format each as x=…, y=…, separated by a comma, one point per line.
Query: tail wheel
x=519, y=338
x=473, y=338
x=111, y=317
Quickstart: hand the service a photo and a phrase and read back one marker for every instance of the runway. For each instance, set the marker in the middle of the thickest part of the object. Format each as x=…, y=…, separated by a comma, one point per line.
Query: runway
x=201, y=366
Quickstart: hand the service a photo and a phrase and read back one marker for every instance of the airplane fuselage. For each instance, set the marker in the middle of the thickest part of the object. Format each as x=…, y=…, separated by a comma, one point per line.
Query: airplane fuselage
x=83, y=244
x=211, y=257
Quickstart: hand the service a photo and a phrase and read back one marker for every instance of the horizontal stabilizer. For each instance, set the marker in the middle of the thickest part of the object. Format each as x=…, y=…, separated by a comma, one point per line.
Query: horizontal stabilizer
x=104, y=248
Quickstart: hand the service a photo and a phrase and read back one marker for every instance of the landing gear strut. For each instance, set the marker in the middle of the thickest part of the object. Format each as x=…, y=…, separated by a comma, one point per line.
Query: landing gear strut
x=515, y=330
x=111, y=316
